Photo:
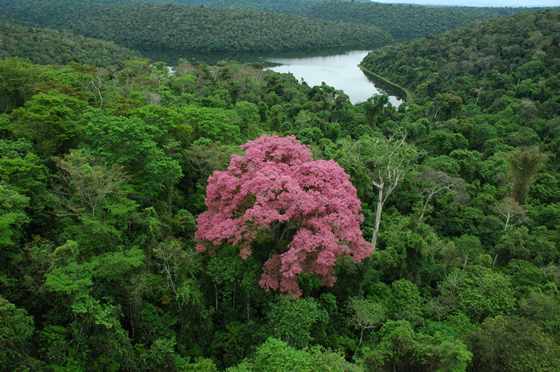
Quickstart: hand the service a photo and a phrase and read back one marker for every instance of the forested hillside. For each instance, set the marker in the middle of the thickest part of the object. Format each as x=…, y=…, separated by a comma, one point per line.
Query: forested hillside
x=491, y=65
x=176, y=28
x=403, y=22
x=44, y=46
x=230, y=218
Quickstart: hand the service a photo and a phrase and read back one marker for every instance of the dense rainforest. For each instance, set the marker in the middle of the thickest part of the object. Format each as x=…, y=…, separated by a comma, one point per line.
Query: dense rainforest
x=176, y=28
x=403, y=22
x=509, y=66
x=129, y=197
x=44, y=46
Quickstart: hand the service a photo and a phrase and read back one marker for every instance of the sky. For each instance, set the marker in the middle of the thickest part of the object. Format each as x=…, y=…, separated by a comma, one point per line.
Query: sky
x=501, y=3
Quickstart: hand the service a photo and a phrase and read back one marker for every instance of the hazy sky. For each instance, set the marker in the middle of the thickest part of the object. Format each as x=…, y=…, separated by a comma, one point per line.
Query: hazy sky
x=512, y=3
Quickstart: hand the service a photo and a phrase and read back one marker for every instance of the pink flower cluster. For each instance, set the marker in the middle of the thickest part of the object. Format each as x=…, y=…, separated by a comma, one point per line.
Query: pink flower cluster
x=276, y=183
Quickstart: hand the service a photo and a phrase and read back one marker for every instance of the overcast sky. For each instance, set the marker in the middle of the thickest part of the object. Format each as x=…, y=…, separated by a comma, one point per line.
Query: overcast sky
x=512, y=3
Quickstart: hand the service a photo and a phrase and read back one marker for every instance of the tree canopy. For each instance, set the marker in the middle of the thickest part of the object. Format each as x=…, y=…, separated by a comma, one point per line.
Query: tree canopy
x=111, y=176
x=310, y=205
x=401, y=21
x=178, y=28
x=44, y=46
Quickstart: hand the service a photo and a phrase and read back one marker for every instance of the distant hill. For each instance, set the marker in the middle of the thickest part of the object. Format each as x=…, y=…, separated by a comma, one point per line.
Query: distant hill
x=188, y=28
x=45, y=46
x=484, y=64
x=402, y=21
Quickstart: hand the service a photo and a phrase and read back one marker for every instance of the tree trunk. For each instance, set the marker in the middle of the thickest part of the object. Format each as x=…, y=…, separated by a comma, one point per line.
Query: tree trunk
x=378, y=211
x=424, y=207
x=361, y=336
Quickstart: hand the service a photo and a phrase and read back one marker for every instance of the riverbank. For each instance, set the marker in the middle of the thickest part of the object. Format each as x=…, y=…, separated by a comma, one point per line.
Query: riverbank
x=399, y=90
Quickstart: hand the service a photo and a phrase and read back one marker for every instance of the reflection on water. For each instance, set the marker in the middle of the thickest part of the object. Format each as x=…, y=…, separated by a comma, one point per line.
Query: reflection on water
x=340, y=71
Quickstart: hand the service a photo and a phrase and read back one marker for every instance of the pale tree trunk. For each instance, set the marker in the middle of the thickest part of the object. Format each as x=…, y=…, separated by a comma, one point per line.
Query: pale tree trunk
x=425, y=207
x=508, y=217
x=97, y=84
x=429, y=198
x=363, y=329
x=378, y=211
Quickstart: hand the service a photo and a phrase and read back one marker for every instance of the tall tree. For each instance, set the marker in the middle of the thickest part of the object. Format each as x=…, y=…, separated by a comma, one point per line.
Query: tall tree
x=434, y=182
x=381, y=163
x=308, y=208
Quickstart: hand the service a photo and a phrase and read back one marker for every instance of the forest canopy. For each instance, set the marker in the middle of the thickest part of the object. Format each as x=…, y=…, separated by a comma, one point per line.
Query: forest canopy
x=483, y=64
x=195, y=220
x=176, y=28
x=44, y=46
x=401, y=21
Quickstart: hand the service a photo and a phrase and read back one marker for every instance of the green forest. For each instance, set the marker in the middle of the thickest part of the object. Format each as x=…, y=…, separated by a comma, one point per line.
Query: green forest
x=230, y=218
x=403, y=22
x=210, y=26
x=44, y=46
x=175, y=28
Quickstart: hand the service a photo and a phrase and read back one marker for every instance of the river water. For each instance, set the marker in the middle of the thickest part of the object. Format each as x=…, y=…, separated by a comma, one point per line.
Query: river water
x=340, y=71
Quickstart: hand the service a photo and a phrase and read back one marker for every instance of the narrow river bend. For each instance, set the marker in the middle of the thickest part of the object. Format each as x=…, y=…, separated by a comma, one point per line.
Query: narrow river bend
x=340, y=71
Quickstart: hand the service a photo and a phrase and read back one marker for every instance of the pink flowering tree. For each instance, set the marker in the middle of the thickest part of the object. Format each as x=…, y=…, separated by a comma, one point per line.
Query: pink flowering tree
x=307, y=209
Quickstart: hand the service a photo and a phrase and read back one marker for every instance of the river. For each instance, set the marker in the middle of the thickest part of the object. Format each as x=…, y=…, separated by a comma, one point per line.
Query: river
x=340, y=71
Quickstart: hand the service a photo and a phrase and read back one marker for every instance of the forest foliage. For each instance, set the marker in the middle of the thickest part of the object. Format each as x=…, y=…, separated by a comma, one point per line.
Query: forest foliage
x=176, y=28
x=277, y=196
x=401, y=21
x=104, y=172
x=44, y=46
x=504, y=69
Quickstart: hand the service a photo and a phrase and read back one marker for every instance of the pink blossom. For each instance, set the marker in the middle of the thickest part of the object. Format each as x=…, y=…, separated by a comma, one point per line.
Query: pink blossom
x=278, y=182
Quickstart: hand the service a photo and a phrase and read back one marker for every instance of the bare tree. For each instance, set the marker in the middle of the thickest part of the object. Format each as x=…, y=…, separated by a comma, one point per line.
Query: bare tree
x=87, y=183
x=394, y=160
x=179, y=266
x=434, y=183
x=384, y=163
x=367, y=315
x=97, y=86
x=511, y=212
